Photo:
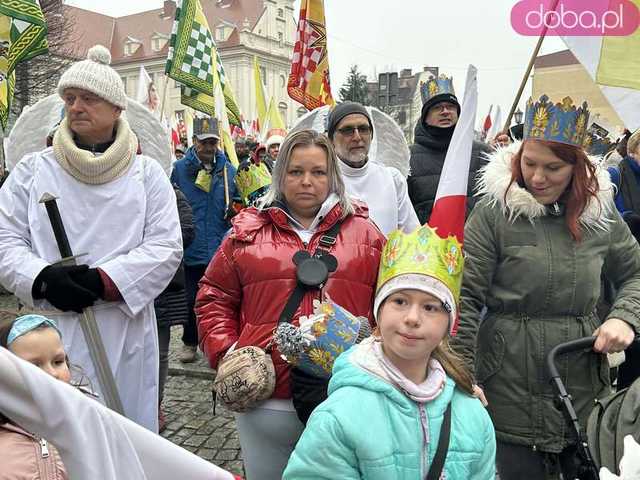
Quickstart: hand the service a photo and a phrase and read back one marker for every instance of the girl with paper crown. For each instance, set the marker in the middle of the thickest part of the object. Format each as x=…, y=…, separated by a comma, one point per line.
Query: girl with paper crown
x=391, y=395
x=536, y=246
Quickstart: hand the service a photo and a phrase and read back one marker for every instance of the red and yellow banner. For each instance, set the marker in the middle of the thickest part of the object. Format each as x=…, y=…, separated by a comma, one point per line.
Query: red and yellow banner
x=309, y=78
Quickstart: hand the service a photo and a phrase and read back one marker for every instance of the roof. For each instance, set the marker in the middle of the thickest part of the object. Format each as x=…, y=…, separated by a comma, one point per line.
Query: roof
x=91, y=28
x=557, y=59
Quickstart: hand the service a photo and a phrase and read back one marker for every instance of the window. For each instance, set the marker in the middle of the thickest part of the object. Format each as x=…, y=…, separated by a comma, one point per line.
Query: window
x=301, y=111
x=402, y=117
x=282, y=106
x=283, y=81
x=158, y=42
x=263, y=74
x=280, y=39
x=131, y=46
x=281, y=13
x=220, y=34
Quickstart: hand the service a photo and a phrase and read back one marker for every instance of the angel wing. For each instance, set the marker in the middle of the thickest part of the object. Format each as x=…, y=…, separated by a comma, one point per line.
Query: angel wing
x=34, y=124
x=388, y=145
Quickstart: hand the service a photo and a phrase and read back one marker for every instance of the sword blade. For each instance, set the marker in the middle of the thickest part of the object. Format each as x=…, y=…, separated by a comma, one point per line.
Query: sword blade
x=88, y=322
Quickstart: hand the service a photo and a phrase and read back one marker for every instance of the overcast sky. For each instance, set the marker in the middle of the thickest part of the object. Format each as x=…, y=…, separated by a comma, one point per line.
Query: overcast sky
x=382, y=35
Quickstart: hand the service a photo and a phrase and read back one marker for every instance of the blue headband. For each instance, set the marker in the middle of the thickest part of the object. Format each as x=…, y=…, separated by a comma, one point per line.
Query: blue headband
x=27, y=323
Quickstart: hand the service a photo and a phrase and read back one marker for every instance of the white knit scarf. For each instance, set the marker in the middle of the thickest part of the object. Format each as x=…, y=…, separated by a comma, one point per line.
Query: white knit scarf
x=87, y=167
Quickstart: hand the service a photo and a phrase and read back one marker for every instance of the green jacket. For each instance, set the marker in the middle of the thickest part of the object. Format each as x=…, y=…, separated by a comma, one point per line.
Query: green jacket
x=540, y=288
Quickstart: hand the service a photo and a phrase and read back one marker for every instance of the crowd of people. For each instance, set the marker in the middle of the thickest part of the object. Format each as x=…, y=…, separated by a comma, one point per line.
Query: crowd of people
x=444, y=376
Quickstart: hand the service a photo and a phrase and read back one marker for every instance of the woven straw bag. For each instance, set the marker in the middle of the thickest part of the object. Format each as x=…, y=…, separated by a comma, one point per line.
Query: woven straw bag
x=245, y=377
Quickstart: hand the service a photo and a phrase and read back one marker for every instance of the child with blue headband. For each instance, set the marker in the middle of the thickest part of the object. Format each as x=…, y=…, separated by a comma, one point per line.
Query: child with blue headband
x=36, y=339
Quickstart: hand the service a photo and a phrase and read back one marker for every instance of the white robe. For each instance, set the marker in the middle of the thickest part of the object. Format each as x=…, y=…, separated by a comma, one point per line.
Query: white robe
x=385, y=192
x=129, y=228
x=94, y=442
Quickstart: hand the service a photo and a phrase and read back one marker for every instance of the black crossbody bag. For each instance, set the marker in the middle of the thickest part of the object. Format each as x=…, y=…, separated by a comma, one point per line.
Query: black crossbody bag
x=312, y=272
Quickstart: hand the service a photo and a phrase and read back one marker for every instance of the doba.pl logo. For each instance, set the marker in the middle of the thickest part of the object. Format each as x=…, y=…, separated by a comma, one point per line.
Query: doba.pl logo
x=576, y=17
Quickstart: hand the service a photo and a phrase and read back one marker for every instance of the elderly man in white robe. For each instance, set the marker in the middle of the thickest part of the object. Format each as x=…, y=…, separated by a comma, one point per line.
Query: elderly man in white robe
x=119, y=211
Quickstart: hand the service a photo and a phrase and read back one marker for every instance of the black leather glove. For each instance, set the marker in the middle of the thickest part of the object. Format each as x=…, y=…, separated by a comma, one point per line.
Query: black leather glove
x=55, y=283
x=91, y=280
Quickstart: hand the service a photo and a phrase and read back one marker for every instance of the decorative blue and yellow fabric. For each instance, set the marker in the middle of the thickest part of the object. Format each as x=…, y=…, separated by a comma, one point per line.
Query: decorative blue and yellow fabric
x=320, y=339
x=436, y=86
x=561, y=122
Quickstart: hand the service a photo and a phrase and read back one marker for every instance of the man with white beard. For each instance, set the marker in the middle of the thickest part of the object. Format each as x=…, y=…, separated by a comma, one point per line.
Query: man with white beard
x=382, y=188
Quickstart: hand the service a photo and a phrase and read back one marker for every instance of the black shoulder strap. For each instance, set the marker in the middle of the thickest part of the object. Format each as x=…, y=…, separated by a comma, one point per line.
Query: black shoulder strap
x=443, y=445
x=327, y=240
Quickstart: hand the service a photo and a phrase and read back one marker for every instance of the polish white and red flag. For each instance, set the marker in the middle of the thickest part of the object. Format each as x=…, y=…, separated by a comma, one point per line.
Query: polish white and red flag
x=448, y=214
x=486, y=126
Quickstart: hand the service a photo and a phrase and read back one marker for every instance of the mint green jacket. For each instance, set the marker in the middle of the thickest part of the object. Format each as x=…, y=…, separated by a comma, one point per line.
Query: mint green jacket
x=368, y=429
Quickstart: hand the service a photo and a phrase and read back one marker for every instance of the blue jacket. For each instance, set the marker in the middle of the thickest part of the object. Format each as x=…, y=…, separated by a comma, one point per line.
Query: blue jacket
x=614, y=172
x=368, y=429
x=208, y=208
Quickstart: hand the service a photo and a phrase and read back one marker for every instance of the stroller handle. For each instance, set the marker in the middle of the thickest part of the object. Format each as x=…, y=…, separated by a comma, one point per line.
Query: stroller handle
x=562, y=348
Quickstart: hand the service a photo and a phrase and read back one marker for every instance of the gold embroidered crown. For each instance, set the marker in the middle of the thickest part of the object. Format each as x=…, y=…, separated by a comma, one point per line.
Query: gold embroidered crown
x=423, y=252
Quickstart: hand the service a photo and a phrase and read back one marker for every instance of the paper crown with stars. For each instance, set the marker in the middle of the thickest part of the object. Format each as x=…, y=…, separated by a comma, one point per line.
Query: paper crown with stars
x=423, y=252
x=561, y=122
x=252, y=182
x=441, y=85
x=314, y=346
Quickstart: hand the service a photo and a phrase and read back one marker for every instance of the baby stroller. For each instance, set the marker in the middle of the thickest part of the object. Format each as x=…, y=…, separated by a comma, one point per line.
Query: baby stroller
x=612, y=418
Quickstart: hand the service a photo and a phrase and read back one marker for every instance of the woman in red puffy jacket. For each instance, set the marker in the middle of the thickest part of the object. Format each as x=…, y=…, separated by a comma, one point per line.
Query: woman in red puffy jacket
x=252, y=275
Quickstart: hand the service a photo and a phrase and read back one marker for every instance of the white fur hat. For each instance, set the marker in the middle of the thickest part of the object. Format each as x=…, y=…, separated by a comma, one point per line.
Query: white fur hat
x=274, y=139
x=96, y=76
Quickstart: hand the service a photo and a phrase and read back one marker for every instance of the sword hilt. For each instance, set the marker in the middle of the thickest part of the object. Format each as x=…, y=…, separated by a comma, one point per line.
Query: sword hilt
x=59, y=233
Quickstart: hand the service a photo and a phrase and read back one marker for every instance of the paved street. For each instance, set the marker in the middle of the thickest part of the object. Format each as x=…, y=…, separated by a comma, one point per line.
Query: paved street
x=188, y=409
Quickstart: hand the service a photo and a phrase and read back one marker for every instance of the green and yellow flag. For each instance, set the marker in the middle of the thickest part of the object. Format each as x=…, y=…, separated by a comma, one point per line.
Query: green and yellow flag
x=192, y=59
x=23, y=35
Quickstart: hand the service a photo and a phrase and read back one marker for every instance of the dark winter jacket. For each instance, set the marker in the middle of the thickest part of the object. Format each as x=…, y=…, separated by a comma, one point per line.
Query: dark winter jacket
x=427, y=158
x=171, y=305
x=209, y=208
x=253, y=275
x=540, y=288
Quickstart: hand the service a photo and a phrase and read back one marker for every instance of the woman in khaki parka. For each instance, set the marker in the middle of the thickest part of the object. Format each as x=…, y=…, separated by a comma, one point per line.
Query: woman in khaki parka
x=536, y=245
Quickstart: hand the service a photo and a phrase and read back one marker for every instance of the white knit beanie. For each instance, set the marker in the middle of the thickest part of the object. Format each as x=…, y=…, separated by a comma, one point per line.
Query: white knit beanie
x=424, y=283
x=95, y=75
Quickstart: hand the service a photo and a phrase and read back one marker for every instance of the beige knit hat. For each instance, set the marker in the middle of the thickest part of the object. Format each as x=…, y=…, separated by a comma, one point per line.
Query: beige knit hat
x=95, y=75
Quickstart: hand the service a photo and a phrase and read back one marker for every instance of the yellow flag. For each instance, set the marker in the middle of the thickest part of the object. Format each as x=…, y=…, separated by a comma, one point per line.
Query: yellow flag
x=261, y=104
x=274, y=120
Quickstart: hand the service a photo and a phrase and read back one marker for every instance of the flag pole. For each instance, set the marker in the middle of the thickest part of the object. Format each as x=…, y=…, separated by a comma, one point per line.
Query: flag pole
x=525, y=78
x=164, y=95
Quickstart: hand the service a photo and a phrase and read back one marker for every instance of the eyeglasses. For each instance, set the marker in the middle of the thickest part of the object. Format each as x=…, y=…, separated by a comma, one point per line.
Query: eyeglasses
x=349, y=131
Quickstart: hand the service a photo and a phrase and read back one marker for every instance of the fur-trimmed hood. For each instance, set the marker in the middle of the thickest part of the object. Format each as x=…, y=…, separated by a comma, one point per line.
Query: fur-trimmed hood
x=495, y=176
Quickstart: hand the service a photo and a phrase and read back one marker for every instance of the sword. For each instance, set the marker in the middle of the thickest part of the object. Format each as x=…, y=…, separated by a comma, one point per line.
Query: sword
x=88, y=321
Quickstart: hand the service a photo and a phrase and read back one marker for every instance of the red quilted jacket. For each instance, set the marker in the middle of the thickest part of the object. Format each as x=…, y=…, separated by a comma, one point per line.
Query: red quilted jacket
x=252, y=275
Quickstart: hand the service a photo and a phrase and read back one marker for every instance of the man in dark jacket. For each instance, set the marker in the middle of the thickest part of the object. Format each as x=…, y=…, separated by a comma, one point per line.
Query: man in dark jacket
x=200, y=176
x=433, y=134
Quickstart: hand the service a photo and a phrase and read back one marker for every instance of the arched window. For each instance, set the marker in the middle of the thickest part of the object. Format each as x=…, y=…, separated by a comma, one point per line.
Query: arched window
x=282, y=106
